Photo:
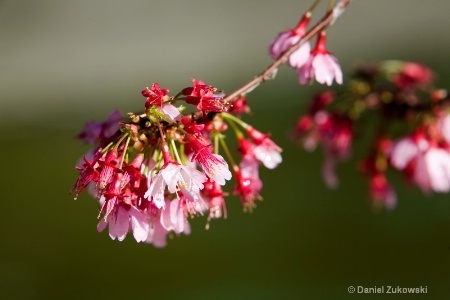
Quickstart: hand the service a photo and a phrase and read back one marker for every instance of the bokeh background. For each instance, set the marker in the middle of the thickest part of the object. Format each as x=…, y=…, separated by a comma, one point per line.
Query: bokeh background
x=66, y=62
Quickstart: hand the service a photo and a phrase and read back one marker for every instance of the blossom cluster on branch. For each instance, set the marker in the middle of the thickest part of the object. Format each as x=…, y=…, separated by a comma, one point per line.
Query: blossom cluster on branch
x=154, y=170
x=406, y=118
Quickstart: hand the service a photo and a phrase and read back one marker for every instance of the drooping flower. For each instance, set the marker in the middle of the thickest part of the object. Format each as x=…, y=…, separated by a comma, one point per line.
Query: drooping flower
x=248, y=183
x=427, y=164
x=239, y=106
x=173, y=217
x=176, y=177
x=213, y=192
x=287, y=39
x=265, y=150
x=214, y=165
x=321, y=65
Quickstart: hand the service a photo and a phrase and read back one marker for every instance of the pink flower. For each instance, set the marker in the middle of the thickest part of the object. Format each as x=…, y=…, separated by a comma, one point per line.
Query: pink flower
x=213, y=165
x=176, y=177
x=239, y=106
x=157, y=234
x=265, y=150
x=174, y=218
x=287, y=39
x=321, y=65
x=248, y=183
x=213, y=192
x=120, y=221
x=429, y=164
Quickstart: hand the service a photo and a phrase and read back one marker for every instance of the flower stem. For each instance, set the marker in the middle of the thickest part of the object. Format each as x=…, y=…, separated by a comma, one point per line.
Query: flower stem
x=227, y=151
x=313, y=6
x=124, y=151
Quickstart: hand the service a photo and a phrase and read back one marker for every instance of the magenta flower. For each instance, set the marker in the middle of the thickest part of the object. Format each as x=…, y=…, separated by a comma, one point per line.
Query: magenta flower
x=204, y=97
x=213, y=193
x=155, y=95
x=321, y=65
x=248, y=183
x=287, y=39
x=212, y=164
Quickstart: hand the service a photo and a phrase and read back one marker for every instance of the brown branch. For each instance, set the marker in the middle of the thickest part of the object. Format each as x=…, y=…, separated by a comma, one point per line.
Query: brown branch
x=267, y=74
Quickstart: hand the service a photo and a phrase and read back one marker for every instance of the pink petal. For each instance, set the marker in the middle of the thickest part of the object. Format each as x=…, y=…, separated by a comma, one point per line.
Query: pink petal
x=438, y=166
x=171, y=112
x=139, y=224
x=300, y=56
x=101, y=225
x=270, y=157
x=119, y=227
x=170, y=175
x=306, y=72
x=220, y=172
x=403, y=152
x=165, y=219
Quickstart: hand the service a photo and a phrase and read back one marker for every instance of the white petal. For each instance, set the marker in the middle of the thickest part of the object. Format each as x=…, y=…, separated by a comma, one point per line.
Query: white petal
x=300, y=56
x=170, y=175
x=171, y=112
x=403, y=152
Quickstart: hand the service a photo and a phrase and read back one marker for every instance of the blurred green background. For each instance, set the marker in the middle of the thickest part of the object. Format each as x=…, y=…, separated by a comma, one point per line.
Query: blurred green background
x=66, y=62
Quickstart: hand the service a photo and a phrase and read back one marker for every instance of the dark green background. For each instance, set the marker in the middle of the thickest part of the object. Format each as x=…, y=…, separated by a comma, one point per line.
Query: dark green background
x=65, y=62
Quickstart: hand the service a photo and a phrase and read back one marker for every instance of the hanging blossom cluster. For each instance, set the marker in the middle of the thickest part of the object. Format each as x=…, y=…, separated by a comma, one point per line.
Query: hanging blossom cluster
x=152, y=171
x=407, y=119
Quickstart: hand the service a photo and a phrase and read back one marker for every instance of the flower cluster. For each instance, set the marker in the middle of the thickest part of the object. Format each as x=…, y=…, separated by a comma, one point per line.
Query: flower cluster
x=318, y=63
x=409, y=127
x=154, y=170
